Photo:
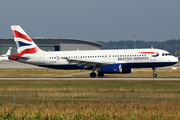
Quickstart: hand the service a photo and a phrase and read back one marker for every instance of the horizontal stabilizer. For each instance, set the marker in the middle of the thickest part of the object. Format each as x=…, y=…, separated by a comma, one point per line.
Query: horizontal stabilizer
x=17, y=56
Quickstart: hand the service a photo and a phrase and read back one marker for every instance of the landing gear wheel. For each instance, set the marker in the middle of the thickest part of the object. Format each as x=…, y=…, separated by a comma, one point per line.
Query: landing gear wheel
x=154, y=72
x=154, y=75
x=100, y=74
x=93, y=74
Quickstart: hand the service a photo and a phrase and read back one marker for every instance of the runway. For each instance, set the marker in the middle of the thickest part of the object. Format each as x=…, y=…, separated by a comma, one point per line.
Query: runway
x=71, y=78
x=12, y=64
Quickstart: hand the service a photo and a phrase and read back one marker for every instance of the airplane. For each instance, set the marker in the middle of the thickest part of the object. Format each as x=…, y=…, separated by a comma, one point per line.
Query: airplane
x=5, y=56
x=120, y=61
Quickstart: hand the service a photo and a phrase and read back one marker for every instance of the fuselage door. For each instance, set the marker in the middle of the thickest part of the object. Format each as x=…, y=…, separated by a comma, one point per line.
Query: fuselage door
x=41, y=58
x=153, y=56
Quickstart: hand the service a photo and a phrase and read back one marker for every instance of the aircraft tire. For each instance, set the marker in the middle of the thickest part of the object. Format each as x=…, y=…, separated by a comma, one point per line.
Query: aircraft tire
x=154, y=75
x=93, y=75
x=100, y=74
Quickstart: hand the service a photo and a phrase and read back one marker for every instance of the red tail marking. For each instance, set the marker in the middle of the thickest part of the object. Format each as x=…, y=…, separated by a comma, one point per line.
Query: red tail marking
x=26, y=51
x=13, y=58
x=29, y=51
x=17, y=34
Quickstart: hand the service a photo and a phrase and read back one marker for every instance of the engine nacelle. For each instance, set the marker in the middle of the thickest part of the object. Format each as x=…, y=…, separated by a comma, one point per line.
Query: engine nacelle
x=127, y=70
x=114, y=68
x=110, y=68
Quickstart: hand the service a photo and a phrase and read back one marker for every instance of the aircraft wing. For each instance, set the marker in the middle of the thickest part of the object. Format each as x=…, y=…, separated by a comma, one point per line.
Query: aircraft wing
x=87, y=62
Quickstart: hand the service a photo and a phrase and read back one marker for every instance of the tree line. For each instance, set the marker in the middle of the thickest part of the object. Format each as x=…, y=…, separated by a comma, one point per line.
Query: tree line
x=172, y=46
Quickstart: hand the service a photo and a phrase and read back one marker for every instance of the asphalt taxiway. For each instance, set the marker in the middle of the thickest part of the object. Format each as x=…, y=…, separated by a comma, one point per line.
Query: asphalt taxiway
x=12, y=64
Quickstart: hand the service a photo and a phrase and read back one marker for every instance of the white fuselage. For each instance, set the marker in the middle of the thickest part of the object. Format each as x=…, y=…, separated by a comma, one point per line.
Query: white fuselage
x=131, y=58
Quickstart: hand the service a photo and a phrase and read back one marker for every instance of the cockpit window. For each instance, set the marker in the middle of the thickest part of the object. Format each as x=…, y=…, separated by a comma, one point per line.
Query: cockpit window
x=166, y=54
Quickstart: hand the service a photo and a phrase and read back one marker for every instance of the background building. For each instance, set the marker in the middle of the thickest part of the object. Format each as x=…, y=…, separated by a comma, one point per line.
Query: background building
x=52, y=45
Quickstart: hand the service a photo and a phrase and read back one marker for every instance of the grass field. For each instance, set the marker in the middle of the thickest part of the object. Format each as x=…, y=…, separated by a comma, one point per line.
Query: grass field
x=169, y=90
x=90, y=86
x=86, y=111
x=58, y=73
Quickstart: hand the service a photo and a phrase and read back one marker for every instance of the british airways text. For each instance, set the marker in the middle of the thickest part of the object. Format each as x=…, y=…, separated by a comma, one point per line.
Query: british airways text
x=133, y=58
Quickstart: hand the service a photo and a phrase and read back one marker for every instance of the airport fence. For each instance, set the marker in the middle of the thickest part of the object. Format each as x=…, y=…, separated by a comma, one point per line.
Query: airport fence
x=79, y=97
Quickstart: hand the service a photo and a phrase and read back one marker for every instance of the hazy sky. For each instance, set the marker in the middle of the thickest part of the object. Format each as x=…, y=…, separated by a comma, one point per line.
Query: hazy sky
x=93, y=20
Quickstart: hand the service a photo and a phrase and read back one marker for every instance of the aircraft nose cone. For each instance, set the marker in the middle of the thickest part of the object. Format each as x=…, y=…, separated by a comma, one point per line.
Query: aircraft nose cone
x=175, y=59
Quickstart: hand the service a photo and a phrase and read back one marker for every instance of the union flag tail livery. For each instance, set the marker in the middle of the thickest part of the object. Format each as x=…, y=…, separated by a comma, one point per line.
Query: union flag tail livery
x=24, y=43
x=119, y=61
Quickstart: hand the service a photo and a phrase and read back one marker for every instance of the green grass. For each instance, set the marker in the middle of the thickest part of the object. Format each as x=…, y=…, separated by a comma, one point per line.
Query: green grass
x=34, y=72
x=58, y=73
x=88, y=85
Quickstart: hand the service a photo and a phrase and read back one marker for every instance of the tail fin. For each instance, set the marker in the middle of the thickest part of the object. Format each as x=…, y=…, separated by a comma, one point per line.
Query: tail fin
x=24, y=43
x=9, y=51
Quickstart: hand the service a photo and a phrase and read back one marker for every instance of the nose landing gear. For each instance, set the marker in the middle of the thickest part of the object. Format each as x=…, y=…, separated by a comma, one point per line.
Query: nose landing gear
x=154, y=72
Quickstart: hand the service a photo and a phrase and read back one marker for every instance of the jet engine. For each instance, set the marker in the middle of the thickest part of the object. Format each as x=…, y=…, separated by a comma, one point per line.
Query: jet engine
x=114, y=68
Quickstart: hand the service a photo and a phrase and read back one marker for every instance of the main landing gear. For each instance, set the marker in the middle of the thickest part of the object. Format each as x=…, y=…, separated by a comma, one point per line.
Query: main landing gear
x=100, y=74
x=93, y=75
x=154, y=72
